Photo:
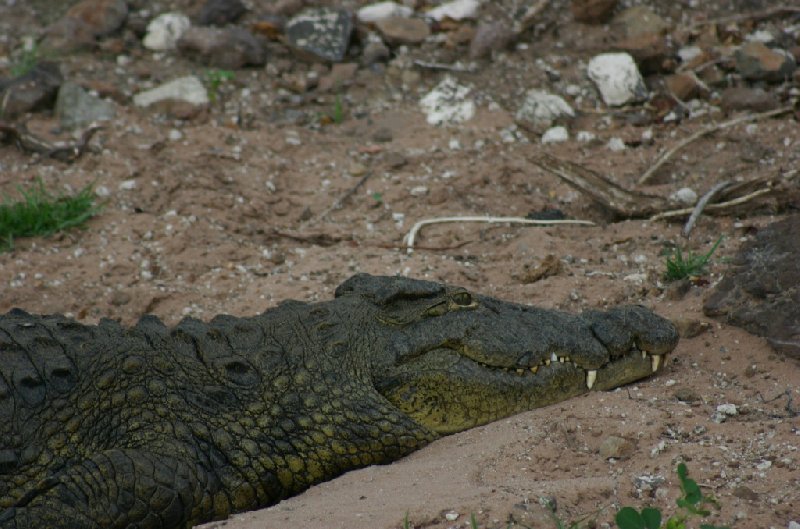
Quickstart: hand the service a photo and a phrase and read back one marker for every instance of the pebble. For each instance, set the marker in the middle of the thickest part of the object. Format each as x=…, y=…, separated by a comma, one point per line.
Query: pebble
x=381, y=10
x=34, y=90
x=757, y=62
x=447, y=103
x=555, y=135
x=617, y=78
x=542, y=109
x=585, y=136
x=690, y=328
x=400, y=30
x=230, y=48
x=639, y=20
x=322, y=33
x=686, y=86
x=794, y=525
x=616, y=144
x=723, y=412
x=455, y=10
x=418, y=191
x=189, y=89
x=164, y=31
x=746, y=98
x=220, y=12
x=375, y=50
x=75, y=107
x=85, y=22
x=745, y=493
x=341, y=75
x=175, y=135
x=685, y=196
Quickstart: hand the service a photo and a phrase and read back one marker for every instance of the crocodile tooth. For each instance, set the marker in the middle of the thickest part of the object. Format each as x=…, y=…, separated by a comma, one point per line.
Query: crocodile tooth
x=591, y=376
x=534, y=369
x=656, y=362
x=561, y=359
x=547, y=362
x=644, y=354
x=520, y=371
x=553, y=357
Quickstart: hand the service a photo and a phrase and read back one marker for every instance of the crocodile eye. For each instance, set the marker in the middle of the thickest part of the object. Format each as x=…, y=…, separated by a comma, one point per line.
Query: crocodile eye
x=462, y=298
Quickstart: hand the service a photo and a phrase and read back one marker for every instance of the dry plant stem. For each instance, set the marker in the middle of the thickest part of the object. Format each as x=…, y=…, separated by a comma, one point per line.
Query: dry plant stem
x=347, y=194
x=412, y=233
x=757, y=16
x=703, y=132
x=619, y=201
x=530, y=16
x=713, y=207
x=701, y=205
x=65, y=151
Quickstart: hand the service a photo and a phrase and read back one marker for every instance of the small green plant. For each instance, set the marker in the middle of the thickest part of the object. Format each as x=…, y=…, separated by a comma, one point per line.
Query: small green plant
x=680, y=266
x=337, y=115
x=26, y=61
x=692, y=503
x=39, y=212
x=214, y=79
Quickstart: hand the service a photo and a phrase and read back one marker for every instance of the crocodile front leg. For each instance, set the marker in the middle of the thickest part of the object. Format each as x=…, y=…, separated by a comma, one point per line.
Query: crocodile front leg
x=118, y=488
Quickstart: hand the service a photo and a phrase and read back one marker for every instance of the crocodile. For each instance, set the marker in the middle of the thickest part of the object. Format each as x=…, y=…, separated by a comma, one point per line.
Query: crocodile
x=149, y=426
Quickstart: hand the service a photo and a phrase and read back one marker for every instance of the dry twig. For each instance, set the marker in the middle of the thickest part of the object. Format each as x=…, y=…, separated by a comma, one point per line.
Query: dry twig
x=720, y=206
x=67, y=151
x=346, y=195
x=704, y=132
x=412, y=233
x=530, y=16
x=701, y=205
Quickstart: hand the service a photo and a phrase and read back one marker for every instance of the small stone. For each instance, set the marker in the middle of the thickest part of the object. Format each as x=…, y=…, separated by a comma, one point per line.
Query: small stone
x=490, y=37
x=164, y=31
x=120, y=297
x=794, y=525
x=382, y=135
x=616, y=447
x=375, y=50
x=585, y=136
x=395, y=160
x=447, y=103
x=616, y=144
x=75, y=107
x=381, y=10
x=451, y=516
x=757, y=62
x=745, y=98
x=592, y=11
x=455, y=10
x=745, y=493
x=555, y=135
x=418, y=191
x=686, y=86
x=322, y=33
x=175, y=135
x=357, y=169
x=617, y=78
x=34, y=90
x=542, y=109
x=685, y=196
x=399, y=30
x=189, y=89
x=230, y=48
x=220, y=12
x=649, y=50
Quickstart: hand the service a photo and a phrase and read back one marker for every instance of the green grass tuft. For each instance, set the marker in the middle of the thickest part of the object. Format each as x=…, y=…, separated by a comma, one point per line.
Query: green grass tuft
x=680, y=266
x=39, y=213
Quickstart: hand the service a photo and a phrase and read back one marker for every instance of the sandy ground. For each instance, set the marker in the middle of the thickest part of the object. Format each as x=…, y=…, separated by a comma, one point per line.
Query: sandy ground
x=234, y=219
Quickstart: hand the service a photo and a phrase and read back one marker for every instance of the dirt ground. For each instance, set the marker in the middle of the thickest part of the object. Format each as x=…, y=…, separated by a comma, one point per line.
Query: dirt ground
x=232, y=218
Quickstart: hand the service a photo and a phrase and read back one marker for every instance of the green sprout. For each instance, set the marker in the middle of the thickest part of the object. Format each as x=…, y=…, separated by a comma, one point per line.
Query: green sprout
x=680, y=266
x=214, y=80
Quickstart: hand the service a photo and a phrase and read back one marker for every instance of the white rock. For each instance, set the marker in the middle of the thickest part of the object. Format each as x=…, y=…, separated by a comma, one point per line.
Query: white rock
x=418, y=191
x=455, y=10
x=585, y=136
x=688, y=53
x=616, y=144
x=542, y=108
x=189, y=89
x=685, y=196
x=794, y=525
x=760, y=35
x=727, y=409
x=164, y=31
x=555, y=135
x=175, y=135
x=382, y=10
x=448, y=103
x=617, y=78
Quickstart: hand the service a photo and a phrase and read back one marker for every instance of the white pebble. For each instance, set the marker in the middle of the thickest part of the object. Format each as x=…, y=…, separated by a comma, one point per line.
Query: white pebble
x=555, y=135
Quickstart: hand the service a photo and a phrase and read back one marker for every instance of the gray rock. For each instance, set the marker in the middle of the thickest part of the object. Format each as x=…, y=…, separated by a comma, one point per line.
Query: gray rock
x=189, y=89
x=375, y=50
x=542, y=109
x=75, y=107
x=378, y=11
x=761, y=290
x=617, y=78
x=164, y=31
x=616, y=447
x=220, y=12
x=638, y=20
x=322, y=33
x=757, y=62
x=229, y=48
x=31, y=91
x=744, y=98
x=490, y=37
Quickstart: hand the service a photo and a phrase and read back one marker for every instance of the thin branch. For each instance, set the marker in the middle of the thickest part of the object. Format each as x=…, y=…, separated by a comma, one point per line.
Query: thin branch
x=412, y=233
x=346, y=195
x=67, y=151
x=757, y=16
x=704, y=132
x=713, y=207
x=700, y=206
x=530, y=16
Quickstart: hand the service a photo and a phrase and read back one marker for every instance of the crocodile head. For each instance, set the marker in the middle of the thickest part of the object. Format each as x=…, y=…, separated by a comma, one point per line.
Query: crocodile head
x=451, y=359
